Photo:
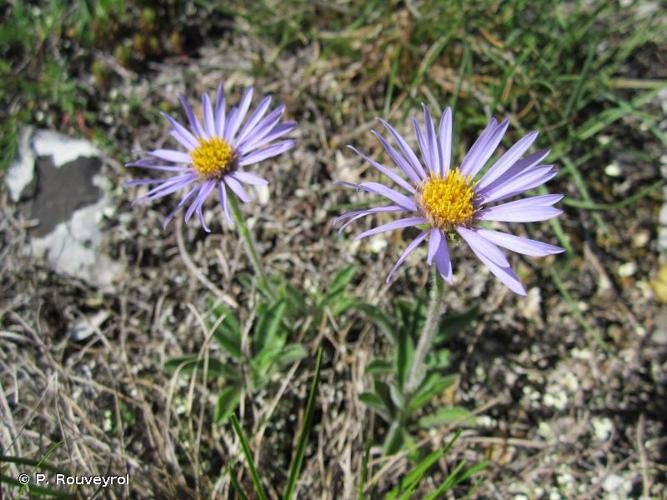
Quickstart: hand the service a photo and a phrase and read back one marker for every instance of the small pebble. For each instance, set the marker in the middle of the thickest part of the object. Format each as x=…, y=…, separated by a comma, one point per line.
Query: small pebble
x=613, y=170
x=626, y=270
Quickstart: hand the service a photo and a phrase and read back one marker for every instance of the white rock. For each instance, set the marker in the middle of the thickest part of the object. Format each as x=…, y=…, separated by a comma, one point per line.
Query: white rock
x=602, y=428
x=21, y=171
x=61, y=148
x=626, y=270
x=613, y=170
x=612, y=483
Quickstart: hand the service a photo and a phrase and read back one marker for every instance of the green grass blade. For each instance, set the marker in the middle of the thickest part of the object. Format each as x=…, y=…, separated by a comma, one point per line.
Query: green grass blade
x=246, y=451
x=364, y=471
x=295, y=468
x=235, y=484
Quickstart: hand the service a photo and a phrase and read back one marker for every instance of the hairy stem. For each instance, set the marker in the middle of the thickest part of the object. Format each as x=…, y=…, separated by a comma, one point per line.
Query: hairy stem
x=245, y=235
x=436, y=308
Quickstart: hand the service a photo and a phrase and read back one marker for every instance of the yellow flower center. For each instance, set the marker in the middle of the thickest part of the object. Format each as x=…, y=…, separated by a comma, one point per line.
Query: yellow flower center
x=212, y=157
x=447, y=202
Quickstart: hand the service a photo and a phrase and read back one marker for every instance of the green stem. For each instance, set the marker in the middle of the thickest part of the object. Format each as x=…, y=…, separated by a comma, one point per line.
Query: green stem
x=436, y=308
x=245, y=235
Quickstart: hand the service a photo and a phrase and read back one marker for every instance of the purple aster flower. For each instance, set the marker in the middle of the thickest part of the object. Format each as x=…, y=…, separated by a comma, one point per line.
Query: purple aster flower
x=441, y=200
x=217, y=150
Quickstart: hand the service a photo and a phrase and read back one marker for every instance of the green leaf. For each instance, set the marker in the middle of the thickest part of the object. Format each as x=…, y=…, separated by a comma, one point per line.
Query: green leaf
x=384, y=393
x=379, y=319
x=340, y=280
x=410, y=482
x=438, y=360
x=404, y=354
x=379, y=367
x=227, y=402
x=432, y=386
x=228, y=333
x=341, y=304
x=268, y=328
x=442, y=416
x=375, y=403
x=188, y=363
x=248, y=456
x=291, y=353
x=363, y=477
x=297, y=461
x=453, y=324
x=394, y=439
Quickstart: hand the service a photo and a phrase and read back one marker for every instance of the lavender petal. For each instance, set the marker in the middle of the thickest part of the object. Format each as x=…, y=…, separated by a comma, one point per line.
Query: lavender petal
x=390, y=226
x=249, y=178
x=171, y=155
x=520, y=245
x=481, y=246
x=236, y=186
x=433, y=244
x=220, y=110
x=386, y=171
x=267, y=152
x=508, y=159
x=445, y=142
x=398, y=159
x=414, y=244
x=390, y=194
x=406, y=150
x=194, y=122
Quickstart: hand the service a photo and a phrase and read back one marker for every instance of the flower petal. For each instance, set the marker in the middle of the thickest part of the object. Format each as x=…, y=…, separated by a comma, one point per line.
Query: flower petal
x=171, y=155
x=194, y=122
x=237, y=188
x=181, y=134
x=481, y=246
x=406, y=150
x=414, y=244
x=443, y=261
x=209, y=122
x=489, y=148
x=249, y=178
x=222, y=195
x=423, y=146
x=445, y=141
x=237, y=118
x=205, y=192
x=505, y=275
x=523, y=182
x=256, y=116
x=533, y=209
x=390, y=226
x=358, y=214
x=386, y=171
x=261, y=130
x=390, y=194
x=508, y=159
x=433, y=244
x=431, y=141
x=183, y=201
x=398, y=159
x=475, y=150
x=220, y=110
x=267, y=152
x=520, y=245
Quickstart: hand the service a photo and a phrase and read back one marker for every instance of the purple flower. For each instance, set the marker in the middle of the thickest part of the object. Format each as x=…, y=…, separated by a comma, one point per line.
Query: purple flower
x=441, y=200
x=217, y=150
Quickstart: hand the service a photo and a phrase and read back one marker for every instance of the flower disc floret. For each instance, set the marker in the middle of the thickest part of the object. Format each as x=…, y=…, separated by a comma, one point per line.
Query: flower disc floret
x=447, y=202
x=212, y=157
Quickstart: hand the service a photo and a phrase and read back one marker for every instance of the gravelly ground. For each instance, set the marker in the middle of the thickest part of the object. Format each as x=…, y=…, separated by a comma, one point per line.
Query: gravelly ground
x=564, y=411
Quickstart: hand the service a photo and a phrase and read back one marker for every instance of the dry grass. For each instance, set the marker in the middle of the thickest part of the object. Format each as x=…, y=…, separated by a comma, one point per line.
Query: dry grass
x=569, y=384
